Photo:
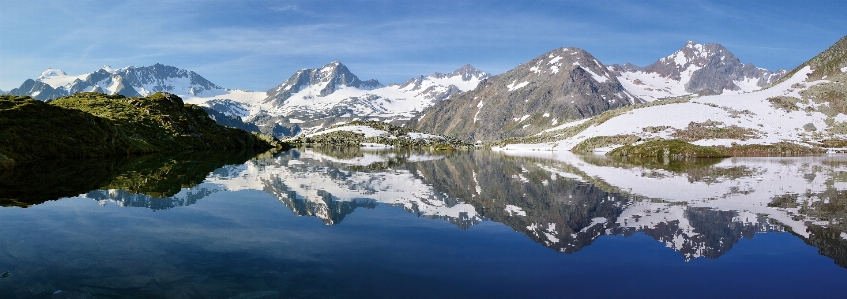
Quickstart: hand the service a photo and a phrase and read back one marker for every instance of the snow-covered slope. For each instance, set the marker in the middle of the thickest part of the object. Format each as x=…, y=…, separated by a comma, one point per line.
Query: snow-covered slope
x=694, y=69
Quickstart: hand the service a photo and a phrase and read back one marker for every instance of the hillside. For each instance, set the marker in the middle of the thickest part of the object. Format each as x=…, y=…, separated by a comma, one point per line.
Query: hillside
x=562, y=85
x=98, y=125
x=805, y=110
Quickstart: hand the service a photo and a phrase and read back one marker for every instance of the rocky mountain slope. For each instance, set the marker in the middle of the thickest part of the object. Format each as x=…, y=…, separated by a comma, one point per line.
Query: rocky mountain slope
x=806, y=108
x=561, y=85
x=695, y=69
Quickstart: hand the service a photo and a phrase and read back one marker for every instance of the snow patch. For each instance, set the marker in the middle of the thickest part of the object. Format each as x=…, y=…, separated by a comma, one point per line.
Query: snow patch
x=515, y=210
x=513, y=86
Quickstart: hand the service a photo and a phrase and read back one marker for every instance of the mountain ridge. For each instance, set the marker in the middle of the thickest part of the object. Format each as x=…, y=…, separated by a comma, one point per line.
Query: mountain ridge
x=563, y=84
x=701, y=69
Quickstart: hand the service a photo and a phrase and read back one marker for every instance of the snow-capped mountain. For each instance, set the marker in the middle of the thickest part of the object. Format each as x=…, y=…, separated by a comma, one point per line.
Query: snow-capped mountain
x=318, y=83
x=563, y=84
x=694, y=69
x=316, y=98
x=128, y=81
x=803, y=108
x=332, y=91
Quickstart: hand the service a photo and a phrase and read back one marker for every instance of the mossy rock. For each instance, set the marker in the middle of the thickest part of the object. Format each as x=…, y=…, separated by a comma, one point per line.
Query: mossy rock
x=667, y=148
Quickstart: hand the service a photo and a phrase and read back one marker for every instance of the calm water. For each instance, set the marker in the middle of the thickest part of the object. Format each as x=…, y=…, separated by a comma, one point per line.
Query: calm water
x=318, y=223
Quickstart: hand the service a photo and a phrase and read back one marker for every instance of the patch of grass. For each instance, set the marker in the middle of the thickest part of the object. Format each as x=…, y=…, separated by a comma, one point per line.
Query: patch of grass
x=786, y=103
x=588, y=145
x=713, y=130
x=667, y=148
x=768, y=150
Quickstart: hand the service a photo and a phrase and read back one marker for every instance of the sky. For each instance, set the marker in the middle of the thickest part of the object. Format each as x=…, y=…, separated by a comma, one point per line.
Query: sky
x=256, y=45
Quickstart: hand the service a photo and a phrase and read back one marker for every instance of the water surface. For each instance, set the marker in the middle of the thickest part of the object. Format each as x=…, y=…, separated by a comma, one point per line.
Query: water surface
x=347, y=223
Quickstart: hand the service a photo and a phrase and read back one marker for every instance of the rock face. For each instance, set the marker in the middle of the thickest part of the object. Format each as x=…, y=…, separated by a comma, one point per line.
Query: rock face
x=561, y=85
x=129, y=81
x=695, y=69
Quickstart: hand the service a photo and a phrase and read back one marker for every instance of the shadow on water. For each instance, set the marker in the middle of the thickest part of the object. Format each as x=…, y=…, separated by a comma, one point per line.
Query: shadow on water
x=158, y=175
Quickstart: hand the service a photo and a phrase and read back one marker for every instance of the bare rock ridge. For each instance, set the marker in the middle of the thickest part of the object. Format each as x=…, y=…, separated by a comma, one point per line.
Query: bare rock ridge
x=563, y=84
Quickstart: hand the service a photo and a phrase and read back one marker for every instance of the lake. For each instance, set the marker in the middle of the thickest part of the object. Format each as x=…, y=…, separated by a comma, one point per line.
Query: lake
x=357, y=223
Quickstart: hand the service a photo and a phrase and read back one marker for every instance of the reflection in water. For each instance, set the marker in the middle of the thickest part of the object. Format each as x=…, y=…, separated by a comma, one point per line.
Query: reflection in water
x=699, y=208
x=154, y=176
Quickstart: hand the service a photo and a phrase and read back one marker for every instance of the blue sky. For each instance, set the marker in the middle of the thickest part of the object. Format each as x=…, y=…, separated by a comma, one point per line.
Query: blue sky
x=256, y=45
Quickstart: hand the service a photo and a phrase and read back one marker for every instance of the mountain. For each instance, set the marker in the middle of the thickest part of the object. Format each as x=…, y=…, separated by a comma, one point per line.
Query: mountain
x=319, y=98
x=831, y=62
x=319, y=83
x=130, y=81
x=694, y=69
x=561, y=85
x=802, y=113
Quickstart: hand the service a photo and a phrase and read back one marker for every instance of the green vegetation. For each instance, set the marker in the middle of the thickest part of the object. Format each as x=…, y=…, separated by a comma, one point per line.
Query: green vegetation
x=396, y=136
x=588, y=145
x=667, y=148
x=766, y=150
x=89, y=125
x=713, y=130
x=786, y=103
x=830, y=97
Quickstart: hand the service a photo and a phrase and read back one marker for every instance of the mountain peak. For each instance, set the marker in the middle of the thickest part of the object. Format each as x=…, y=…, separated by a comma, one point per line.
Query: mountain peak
x=324, y=81
x=108, y=69
x=51, y=72
x=468, y=72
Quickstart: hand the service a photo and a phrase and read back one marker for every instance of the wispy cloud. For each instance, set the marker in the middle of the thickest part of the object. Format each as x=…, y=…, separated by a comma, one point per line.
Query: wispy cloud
x=284, y=8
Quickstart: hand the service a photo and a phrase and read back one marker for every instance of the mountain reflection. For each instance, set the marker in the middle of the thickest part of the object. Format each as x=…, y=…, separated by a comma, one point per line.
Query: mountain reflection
x=699, y=208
